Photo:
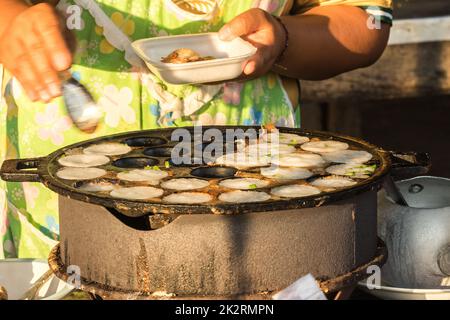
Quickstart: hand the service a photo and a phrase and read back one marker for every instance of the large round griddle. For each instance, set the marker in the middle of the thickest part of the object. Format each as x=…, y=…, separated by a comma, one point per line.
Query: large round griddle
x=152, y=148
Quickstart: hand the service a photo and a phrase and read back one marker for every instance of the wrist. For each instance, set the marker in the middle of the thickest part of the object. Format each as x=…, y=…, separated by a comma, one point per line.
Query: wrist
x=284, y=40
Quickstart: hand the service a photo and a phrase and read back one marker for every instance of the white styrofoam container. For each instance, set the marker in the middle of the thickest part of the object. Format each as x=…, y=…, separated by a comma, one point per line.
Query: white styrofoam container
x=230, y=57
x=19, y=275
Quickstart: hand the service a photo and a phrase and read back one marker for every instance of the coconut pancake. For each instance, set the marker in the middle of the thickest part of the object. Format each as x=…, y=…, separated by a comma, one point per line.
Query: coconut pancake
x=80, y=173
x=244, y=183
x=185, y=184
x=268, y=149
x=143, y=175
x=244, y=196
x=282, y=173
x=83, y=160
x=325, y=146
x=285, y=138
x=243, y=160
x=108, y=149
x=352, y=170
x=137, y=193
x=348, y=156
x=188, y=198
x=101, y=186
x=333, y=182
x=298, y=160
x=295, y=191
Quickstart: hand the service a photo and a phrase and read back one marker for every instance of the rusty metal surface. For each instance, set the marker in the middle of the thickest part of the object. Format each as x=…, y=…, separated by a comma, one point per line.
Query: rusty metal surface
x=215, y=254
x=44, y=170
x=331, y=287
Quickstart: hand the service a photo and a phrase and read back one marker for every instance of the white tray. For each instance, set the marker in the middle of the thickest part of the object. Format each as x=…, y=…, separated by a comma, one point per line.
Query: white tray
x=230, y=57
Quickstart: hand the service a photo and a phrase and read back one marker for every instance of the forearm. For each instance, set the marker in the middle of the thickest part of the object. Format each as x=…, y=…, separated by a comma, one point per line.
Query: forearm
x=327, y=41
x=9, y=9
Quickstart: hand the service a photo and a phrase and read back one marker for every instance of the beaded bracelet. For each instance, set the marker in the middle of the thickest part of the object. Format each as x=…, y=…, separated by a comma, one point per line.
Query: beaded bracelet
x=286, y=43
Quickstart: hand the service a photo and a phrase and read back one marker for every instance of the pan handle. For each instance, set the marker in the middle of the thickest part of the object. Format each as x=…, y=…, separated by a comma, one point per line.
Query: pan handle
x=406, y=165
x=21, y=170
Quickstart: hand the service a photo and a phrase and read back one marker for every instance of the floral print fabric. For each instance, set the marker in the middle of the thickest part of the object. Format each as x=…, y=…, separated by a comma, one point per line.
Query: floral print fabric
x=29, y=211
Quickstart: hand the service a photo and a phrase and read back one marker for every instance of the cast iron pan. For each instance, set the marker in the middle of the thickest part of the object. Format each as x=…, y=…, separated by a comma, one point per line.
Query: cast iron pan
x=152, y=148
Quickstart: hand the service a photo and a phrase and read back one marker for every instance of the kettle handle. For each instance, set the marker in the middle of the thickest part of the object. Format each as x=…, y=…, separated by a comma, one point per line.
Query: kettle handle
x=406, y=165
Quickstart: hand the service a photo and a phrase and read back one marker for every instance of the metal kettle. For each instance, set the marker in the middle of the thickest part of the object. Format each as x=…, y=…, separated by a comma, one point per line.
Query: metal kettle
x=417, y=235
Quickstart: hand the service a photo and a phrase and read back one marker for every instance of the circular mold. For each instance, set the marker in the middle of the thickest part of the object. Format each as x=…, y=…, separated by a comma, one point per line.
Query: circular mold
x=193, y=162
x=145, y=142
x=135, y=163
x=214, y=172
x=159, y=152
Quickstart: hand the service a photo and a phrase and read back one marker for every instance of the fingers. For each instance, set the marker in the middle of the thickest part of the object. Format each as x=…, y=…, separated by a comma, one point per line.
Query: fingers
x=27, y=79
x=37, y=53
x=257, y=65
x=43, y=73
x=51, y=34
x=244, y=24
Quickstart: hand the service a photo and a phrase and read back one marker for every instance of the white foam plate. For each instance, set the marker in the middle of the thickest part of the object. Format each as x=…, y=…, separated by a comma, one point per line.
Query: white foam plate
x=386, y=292
x=18, y=275
x=230, y=57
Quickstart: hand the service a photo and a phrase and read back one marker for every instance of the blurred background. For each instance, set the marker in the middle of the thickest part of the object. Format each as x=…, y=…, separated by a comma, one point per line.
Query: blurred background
x=401, y=103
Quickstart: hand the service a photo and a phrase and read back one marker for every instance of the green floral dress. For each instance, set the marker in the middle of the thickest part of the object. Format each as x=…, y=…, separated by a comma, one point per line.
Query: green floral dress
x=131, y=100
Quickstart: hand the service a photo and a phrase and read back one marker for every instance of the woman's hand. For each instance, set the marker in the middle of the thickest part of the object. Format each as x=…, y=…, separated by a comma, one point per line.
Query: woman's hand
x=263, y=31
x=33, y=49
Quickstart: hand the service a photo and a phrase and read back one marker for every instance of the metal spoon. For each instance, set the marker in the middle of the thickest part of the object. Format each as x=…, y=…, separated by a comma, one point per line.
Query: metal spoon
x=82, y=109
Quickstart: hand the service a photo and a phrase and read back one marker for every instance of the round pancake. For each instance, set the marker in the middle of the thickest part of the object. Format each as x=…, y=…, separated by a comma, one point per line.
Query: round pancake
x=185, y=184
x=244, y=196
x=285, y=138
x=108, y=149
x=348, y=156
x=80, y=173
x=98, y=187
x=295, y=191
x=143, y=175
x=83, y=161
x=244, y=184
x=137, y=193
x=325, y=146
x=281, y=173
x=268, y=149
x=188, y=198
x=352, y=170
x=242, y=160
x=298, y=160
x=333, y=182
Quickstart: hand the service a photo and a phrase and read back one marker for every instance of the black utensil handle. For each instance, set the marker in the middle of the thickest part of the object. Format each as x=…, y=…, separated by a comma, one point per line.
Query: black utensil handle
x=406, y=165
x=21, y=170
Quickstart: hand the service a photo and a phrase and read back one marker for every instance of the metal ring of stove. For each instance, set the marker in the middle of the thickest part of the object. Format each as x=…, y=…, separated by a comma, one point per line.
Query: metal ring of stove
x=328, y=286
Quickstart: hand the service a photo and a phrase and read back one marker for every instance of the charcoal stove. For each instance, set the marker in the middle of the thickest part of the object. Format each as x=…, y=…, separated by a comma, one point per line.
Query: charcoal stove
x=151, y=249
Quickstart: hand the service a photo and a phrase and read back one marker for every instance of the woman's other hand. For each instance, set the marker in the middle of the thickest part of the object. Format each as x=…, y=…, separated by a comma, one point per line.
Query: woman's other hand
x=33, y=49
x=263, y=31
